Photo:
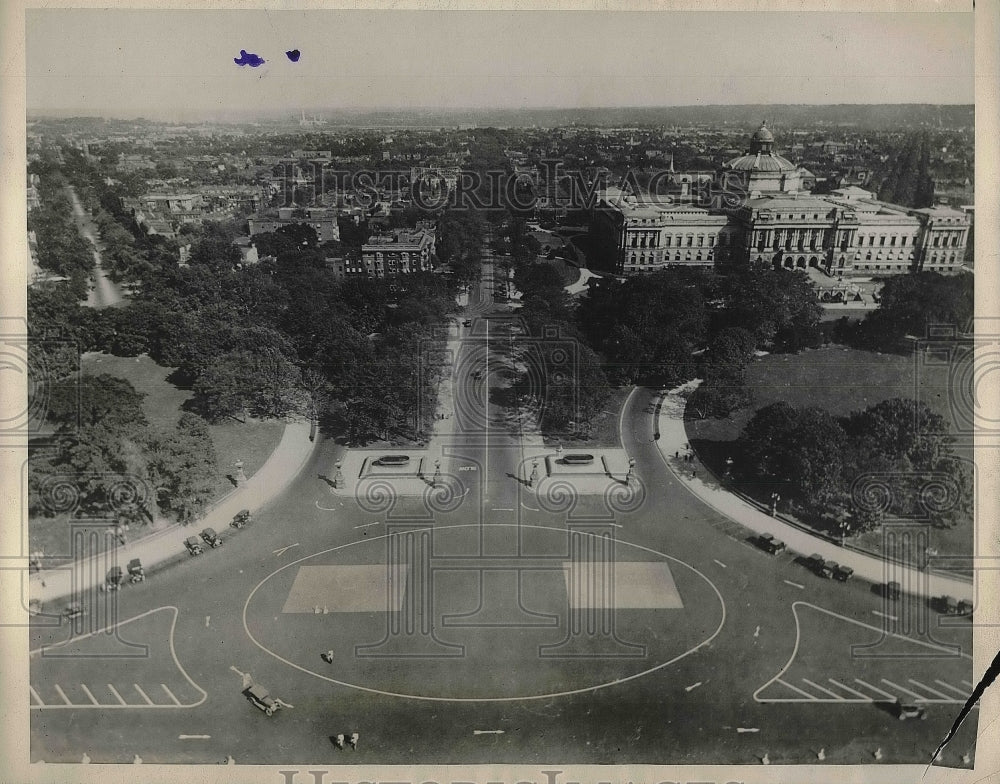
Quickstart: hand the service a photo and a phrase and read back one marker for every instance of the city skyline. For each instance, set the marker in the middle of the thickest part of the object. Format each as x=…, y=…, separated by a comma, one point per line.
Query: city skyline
x=179, y=65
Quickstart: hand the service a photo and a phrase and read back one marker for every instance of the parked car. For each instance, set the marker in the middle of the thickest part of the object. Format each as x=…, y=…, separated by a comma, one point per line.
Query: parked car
x=769, y=544
x=965, y=607
x=892, y=590
x=194, y=545
x=815, y=562
x=135, y=571
x=74, y=610
x=241, y=518
x=908, y=710
x=114, y=579
x=949, y=605
x=392, y=460
x=843, y=573
x=258, y=696
x=828, y=569
x=211, y=538
x=578, y=459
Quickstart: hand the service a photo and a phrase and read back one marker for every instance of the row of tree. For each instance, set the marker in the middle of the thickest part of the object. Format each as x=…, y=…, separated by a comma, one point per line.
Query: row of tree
x=105, y=460
x=892, y=460
x=60, y=248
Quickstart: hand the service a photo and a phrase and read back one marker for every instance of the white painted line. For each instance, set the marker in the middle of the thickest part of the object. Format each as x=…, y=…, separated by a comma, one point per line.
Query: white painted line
x=875, y=688
x=692, y=686
x=170, y=694
x=193, y=737
x=34, y=694
x=720, y=563
x=367, y=525
x=845, y=687
x=142, y=694
x=796, y=585
x=487, y=732
x=63, y=694
x=117, y=695
x=883, y=615
x=915, y=695
x=499, y=509
x=280, y=550
x=90, y=696
x=953, y=688
x=747, y=729
x=796, y=688
x=530, y=508
x=822, y=688
x=924, y=686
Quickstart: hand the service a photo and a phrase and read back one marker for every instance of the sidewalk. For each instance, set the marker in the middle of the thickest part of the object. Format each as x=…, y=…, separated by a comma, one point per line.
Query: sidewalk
x=673, y=439
x=278, y=471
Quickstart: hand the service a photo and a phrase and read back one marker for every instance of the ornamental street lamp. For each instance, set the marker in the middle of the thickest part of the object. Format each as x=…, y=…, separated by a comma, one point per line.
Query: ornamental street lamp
x=534, y=474
x=437, y=470
x=338, y=477
x=775, y=497
x=729, y=467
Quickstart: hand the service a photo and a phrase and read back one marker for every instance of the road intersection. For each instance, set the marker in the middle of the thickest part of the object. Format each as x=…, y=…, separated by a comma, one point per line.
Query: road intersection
x=478, y=615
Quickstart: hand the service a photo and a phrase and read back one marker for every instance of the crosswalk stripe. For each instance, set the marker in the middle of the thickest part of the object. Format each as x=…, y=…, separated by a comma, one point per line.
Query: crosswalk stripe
x=87, y=691
x=875, y=688
x=821, y=688
x=170, y=694
x=63, y=694
x=796, y=688
x=34, y=694
x=142, y=694
x=845, y=687
x=903, y=688
x=949, y=686
x=115, y=692
x=928, y=688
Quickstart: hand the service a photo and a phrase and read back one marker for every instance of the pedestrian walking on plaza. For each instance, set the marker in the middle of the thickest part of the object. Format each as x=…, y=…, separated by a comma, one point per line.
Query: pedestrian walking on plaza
x=327, y=657
x=765, y=760
x=878, y=754
x=694, y=473
x=354, y=740
x=338, y=741
x=821, y=755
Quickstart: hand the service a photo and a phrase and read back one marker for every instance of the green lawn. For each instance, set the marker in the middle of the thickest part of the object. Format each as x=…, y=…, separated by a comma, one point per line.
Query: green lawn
x=251, y=442
x=840, y=380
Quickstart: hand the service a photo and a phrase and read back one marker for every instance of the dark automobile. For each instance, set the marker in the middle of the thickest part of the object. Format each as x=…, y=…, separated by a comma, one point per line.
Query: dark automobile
x=194, y=545
x=908, y=710
x=114, y=579
x=892, y=590
x=965, y=607
x=949, y=605
x=578, y=459
x=210, y=537
x=843, y=573
x=135, y=571
x=815, y=562
x=769, y=544
x=241, y=518
x=74, y=610
x=259, y=697
x=392, y=460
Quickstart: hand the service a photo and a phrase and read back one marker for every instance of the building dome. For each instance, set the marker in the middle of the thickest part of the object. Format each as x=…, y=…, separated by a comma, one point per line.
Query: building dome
x=761, y=161
x=763, y=134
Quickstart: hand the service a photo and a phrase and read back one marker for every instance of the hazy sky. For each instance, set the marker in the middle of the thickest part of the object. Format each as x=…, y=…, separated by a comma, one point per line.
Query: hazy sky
x=179, y=64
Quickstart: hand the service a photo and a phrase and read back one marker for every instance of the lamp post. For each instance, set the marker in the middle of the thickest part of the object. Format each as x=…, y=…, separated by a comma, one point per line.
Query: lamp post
x=631, y=470
x=240, y=476
x=534, y=474
x=338, y=477
x=774, y=503
x=437, y=470
x=729, y=467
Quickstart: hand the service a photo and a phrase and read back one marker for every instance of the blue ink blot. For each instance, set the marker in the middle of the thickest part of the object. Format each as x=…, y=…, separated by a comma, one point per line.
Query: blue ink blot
x=293, y=55
x=252, y=60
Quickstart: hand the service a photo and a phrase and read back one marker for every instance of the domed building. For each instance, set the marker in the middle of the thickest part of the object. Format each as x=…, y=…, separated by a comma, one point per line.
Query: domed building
x=762, y=170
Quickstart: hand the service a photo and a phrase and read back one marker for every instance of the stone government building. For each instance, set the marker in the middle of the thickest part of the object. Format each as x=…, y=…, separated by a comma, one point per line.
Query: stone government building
x=779, y=223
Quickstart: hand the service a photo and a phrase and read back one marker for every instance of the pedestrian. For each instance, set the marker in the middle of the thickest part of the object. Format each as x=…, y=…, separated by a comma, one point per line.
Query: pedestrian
x=878, y=754
x=677, y=453
x=86, y=759
x=136, y=760
x=765, y=760
x=694, y=473
x=821, y=755
x=328, y=656
x=354, y=740
x=339, y=741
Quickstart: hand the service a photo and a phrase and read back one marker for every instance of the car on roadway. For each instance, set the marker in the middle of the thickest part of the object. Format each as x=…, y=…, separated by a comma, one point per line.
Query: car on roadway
x=908, y=710
x=769, y=544
x=392, y=460
x=259, y=697
x=136, y=573
x=241, y=518
x=211, y=538
x=578, y=459
x=843, y=573
x=892, y=590
x=194, y=545
x=467, y=323
x=114, y=579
